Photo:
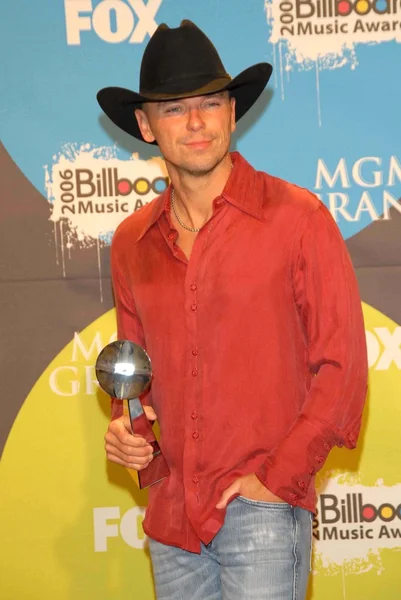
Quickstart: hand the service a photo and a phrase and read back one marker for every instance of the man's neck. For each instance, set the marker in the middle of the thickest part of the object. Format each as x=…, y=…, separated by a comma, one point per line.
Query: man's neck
x=194, y=195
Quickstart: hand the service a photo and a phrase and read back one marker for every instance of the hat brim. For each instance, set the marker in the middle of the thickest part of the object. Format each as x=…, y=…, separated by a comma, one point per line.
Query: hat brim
x=119, y=104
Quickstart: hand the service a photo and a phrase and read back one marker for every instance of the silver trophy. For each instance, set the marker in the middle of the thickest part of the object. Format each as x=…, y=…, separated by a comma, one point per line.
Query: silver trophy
x=124, y=371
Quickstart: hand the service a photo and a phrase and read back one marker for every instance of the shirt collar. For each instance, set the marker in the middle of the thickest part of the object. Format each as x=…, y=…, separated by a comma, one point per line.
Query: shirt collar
x=244, y=188
x=154, y=212
x=241, y=190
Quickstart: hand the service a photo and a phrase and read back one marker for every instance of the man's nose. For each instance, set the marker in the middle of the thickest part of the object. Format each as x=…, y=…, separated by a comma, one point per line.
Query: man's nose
x=195, y=120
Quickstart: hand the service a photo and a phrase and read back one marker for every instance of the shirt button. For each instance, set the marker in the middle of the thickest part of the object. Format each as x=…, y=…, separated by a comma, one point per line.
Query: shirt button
x=171, y=236
x=194, y=373
x=327, y=446
x=194, y=287
x=301, y=485
x=293, y=497
x=194, y=306
x=311, y=471
x=195, y=435
x=319, y=459
x=195, y=479
x=195, y=352
x=194, y=415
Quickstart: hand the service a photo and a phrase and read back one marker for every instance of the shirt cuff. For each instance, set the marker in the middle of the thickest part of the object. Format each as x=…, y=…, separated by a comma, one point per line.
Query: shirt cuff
x=290, y=469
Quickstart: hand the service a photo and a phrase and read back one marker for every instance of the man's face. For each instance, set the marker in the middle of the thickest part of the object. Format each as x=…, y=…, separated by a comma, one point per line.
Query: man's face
x=193, y=133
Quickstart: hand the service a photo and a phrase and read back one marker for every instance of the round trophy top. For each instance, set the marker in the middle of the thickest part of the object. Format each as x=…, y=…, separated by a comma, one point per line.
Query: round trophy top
x=123, y=369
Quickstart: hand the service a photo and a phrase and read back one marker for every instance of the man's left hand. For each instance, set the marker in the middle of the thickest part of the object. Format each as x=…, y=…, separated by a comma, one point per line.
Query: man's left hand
x=250, y=487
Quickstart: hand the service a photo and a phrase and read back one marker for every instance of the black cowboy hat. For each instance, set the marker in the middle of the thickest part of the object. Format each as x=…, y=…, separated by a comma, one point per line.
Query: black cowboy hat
x=180, y=63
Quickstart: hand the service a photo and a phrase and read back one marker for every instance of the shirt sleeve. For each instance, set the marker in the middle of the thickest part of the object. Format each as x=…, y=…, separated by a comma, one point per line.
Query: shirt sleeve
x=329, y=307
x=129, y=326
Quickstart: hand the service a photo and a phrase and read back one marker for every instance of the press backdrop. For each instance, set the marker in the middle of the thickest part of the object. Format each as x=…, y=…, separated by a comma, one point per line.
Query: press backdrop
x=329, y=121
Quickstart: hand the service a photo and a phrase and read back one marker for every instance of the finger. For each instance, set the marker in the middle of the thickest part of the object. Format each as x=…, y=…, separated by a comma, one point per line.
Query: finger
x=118, y=429
x=134, y=448
x=150, y=413
x=129, y=454
x=227, y=494
x=113, y=452
x=128, y=465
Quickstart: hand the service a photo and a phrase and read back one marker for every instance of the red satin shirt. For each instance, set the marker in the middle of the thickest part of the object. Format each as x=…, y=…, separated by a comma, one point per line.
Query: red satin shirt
x=257, y=346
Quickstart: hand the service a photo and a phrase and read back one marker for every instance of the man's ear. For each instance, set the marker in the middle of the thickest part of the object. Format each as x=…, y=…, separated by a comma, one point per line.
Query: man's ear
x=233, y=122
x=144, y=125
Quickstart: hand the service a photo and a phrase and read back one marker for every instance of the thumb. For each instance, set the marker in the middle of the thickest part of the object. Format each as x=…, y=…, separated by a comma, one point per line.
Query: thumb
x=232, y=490
x=150, y=413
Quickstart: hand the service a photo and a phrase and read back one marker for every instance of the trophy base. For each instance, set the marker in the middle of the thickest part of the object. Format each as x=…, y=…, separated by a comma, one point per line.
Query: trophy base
x=158, y=468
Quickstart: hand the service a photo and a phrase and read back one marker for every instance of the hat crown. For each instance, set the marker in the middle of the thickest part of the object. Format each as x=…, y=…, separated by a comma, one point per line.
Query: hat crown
x=175, y=56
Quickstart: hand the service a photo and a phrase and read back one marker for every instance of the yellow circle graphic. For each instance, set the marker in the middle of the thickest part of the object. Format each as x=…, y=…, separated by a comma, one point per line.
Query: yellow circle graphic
x=362, y=7
x=71, y=522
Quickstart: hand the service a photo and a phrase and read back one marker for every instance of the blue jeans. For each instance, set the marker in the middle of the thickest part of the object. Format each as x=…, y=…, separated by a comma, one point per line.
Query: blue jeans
x=262, y=552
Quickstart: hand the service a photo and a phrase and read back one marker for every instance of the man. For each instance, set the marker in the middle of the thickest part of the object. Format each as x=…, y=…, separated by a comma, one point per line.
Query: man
x=240, y=288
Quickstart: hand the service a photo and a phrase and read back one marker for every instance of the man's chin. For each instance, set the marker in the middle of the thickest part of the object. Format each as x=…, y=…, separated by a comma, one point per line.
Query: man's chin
x=201, y=165
x=201, y=171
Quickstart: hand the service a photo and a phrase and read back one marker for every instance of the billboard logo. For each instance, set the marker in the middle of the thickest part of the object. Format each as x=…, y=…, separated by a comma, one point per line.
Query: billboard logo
x=113, y=21
x=321, y=9
x=92, y=191
x=79, y=184
x=352, y=509
x=324, y=33
x=354, y=521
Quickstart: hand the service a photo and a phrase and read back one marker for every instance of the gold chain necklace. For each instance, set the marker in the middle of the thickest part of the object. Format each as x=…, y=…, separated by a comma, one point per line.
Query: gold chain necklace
x=193, y=229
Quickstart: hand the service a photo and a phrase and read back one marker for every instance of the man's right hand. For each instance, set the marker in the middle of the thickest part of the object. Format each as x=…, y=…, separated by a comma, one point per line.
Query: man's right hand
x=125, y=448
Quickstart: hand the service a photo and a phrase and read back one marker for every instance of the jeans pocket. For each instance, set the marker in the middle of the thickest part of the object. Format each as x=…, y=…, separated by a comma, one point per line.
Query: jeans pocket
x=262, y=503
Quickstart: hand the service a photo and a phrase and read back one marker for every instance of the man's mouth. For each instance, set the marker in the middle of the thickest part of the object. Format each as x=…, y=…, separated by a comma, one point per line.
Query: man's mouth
x=200, y=144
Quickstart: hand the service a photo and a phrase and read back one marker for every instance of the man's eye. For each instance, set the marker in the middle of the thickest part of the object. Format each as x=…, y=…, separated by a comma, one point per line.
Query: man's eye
x=212, y=103
x=173, y=109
